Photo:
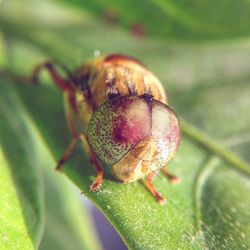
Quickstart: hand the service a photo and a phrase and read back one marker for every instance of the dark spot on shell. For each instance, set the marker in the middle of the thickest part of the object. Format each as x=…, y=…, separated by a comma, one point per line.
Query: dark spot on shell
x=113, y=93
x=126, y=133
x=112, y=90
x=148, y=98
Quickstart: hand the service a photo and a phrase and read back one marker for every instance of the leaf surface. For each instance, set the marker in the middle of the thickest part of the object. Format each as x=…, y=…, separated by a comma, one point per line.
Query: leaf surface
x=194, y=20
x=208, y=86
x=38, y=207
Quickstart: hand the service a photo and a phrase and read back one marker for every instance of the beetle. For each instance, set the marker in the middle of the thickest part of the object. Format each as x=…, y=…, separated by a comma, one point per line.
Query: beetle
x=125, y=117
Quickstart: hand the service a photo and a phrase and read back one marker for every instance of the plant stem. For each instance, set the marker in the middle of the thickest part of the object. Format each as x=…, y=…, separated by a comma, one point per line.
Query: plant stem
x=208, y=143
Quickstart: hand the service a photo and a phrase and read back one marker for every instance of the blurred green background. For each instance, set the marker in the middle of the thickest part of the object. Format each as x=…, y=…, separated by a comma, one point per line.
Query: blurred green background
x=200, y=51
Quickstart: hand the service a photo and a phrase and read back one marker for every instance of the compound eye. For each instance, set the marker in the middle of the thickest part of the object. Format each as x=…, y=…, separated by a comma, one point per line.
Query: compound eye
x=165, y=131
x=118, y=125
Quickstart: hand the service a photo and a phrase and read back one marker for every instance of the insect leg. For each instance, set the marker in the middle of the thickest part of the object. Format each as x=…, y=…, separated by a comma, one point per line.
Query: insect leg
x=72, y=127
x=61, y=83
x=67, y=153
x=98, y=180
x=160, y=199
x=172, y=178
x=64, y=86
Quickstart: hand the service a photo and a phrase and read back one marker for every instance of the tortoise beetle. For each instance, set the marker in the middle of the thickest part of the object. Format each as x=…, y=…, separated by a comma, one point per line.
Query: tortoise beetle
x=125, y=117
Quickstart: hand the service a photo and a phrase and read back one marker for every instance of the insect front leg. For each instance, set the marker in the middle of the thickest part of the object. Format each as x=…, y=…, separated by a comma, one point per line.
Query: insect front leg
x=60, y=82
x=69, y=110
x=70, y=107
x=98, y=180
x=171, y=177
x=67, y=153
x=160, y=199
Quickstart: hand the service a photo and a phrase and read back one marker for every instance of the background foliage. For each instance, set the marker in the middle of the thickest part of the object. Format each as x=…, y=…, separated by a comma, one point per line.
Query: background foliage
x=201, y=53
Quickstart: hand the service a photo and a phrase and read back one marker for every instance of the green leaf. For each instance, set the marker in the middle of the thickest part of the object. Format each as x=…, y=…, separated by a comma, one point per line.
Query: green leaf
x=67, y=222
x=13, y=225
x=172, y=19
x=22, y=214
x=27, y=219
x=208, y=85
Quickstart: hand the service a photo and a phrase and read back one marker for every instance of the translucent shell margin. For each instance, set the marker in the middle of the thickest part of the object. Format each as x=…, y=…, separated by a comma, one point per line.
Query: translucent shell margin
x=120, y=124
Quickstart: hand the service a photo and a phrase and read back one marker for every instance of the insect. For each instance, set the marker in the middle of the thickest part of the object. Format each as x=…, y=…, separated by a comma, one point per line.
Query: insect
x=126, y=121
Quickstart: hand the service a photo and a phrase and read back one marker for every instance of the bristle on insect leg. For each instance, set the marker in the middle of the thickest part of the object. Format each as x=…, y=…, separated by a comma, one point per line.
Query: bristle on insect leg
x=160, y=199
x=171, y=177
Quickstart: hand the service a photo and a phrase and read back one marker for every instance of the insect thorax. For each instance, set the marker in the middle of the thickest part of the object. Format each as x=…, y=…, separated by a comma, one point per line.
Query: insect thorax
x=108, y=78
